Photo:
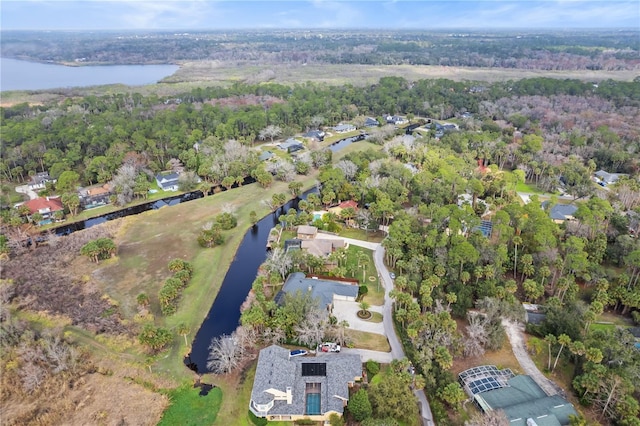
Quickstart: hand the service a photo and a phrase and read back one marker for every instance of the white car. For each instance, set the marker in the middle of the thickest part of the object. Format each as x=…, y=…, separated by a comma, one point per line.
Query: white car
x=392, y=275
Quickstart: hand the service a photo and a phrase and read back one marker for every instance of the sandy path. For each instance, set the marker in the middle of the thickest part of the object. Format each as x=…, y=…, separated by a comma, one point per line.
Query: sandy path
x=514, y=331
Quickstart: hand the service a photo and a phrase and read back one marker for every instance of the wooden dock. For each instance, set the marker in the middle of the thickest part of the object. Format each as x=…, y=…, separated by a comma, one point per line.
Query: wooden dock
x=274, y=237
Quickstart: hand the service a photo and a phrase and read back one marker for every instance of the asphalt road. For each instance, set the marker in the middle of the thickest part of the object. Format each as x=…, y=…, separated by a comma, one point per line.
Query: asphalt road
x=396, y=348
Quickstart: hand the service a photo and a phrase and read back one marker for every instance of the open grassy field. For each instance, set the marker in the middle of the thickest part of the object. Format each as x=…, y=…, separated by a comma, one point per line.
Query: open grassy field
x=192, y=75
x=219, y=73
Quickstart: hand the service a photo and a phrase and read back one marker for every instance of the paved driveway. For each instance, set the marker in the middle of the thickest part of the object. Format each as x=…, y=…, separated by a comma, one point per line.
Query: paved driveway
x=347, y=311
x=366, y=355
x=24, y=189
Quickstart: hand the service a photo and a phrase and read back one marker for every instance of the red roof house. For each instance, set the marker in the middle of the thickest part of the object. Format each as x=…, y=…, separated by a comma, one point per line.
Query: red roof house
x=44, y=205
x=347, y=204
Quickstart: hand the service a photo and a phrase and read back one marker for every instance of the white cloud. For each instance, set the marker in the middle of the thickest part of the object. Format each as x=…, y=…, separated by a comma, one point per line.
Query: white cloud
x=166, y=14
x=336, y=14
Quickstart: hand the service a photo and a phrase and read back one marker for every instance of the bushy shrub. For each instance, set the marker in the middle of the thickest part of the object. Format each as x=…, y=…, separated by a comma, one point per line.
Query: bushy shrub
x=226, y=221
x=362, y=290
x=211, y=237
x=373, y=368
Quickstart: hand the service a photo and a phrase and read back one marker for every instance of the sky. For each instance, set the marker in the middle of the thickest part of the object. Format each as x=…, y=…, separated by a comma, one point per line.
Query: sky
x=315, y=14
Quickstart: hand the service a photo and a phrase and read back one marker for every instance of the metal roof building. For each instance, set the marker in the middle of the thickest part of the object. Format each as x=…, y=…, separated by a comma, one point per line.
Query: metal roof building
x=520, y=397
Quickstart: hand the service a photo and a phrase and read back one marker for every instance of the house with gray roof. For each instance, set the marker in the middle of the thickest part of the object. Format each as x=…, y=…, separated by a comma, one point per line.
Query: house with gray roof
x=291, y=388
x=40, y=180
x=168, y=181
x=344, y=128
x=291, y=145
x=561, y=212
x=315, y=134
x=323, y=290
x=371, y=122
x=396, y=119
x=265, y=155
x=608, y=178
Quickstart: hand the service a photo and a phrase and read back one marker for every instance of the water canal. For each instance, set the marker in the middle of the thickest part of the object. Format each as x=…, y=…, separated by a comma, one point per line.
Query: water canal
x=224, y=315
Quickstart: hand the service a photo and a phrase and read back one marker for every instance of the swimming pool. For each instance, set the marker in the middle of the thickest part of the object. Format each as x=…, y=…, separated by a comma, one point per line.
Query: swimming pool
x=313, y=403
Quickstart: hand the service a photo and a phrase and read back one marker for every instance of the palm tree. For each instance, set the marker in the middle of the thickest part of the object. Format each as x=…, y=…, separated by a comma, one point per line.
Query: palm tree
x=183, y=330
x=516, y=242
x=364, y=308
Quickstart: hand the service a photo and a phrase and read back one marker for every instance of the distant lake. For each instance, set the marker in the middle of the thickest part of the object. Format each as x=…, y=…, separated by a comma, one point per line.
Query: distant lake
x=25, y=75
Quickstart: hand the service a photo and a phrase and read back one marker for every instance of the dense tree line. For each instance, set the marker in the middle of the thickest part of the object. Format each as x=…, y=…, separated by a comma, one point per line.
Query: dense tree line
x=96, y=136
x=595, y=50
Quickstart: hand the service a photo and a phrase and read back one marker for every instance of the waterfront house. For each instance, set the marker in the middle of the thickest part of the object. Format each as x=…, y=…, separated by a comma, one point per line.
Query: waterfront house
x=46, y=206
x=324, y=290
x=291, y=388
x=168, y=181
x=344, y=128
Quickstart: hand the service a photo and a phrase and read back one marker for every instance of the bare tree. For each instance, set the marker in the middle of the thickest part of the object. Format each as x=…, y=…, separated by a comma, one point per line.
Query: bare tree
x=32, y=376
x=60, y=355
x=311, y=330
x=270, y=132
x=348, y=168
x=279, y=261
x=175, y=165
x=274, y=335
x=317, y=121
x=123, y=183
x=225, y=354
x=476, y=337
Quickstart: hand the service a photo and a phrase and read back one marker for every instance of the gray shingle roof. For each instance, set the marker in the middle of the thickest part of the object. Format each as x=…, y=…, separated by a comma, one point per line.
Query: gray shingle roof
x=608, y=177
x=323, y=290
x=562, y=211
x=289, y=143
x=276, y=370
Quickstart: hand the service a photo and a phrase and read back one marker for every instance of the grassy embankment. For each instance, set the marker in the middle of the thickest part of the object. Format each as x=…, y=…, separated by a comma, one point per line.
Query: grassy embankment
x=147, y=242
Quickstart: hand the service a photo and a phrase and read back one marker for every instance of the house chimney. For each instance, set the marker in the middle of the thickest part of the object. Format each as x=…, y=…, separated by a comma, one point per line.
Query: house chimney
x=47, y=198
x=289, y=395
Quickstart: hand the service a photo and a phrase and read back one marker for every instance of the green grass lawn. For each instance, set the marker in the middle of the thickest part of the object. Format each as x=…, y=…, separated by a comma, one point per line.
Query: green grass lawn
x=371, y=341
x=189, y=408
x=359, y=234
x=376, y=317
x=375, y=294
x=524, y=187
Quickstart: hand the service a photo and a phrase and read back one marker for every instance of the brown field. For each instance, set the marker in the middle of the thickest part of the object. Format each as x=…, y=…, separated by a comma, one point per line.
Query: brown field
x=192, y=75
x=336, y=74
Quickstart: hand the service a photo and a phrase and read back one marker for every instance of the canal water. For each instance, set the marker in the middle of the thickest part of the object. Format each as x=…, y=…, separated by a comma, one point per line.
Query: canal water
x=154, y=205
x=224, y=315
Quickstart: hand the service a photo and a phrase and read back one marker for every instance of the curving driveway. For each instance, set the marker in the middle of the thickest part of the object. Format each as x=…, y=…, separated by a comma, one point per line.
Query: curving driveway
x=514, y=332
x=347, y=311
x=24, y=189
x=397, y=352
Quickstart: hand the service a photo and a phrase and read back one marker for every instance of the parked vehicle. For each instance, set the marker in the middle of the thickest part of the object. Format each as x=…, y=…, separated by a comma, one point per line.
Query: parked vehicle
x=297, y=352
x=329, y=347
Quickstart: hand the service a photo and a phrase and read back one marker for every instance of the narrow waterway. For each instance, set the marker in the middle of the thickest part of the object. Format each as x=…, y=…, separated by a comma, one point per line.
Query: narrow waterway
x=224, y=315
